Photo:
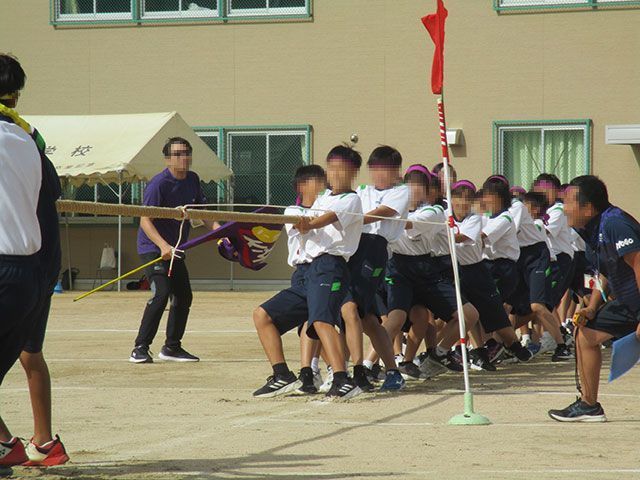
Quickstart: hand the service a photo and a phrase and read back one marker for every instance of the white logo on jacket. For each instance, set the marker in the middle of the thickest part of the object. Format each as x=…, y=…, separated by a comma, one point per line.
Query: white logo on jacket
x=624, y=243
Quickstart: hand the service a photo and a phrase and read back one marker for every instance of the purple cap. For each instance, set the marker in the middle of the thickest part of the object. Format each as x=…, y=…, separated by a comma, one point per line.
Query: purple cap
x=499, y=177
x=418, y=168
x=517, y=189
x=464, y=183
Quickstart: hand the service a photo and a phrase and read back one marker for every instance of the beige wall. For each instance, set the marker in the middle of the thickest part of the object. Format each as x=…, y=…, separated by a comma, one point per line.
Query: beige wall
x=360, y=66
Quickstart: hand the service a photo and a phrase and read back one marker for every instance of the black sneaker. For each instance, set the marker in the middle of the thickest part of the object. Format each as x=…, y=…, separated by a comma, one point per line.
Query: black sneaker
x=343, y=390
x=562, y=353
x=141, y=354
x=479, y=358
x=566, y=335
x=375, y=373
x=579, y=411
x=519, y=352
x=176, y=354
x=495, y=350
x=308, y=386
x=278, y=385
x=410, y=370
x=361, y=380
x=448, y=361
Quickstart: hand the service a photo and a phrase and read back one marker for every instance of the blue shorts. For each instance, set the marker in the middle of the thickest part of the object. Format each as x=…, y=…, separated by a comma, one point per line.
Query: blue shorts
x=505, y=276
x=316, y=294
x=615, y=319
x=480, y=289
x=39, y=318
x=418, y=280
x=561, y=276
x=366, y=268
x=534, y=286
x=580, y=268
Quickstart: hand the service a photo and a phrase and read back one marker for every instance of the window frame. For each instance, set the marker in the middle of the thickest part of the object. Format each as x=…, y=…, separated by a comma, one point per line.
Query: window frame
x=533, y=5
x=179, y=14
x=267, y=11
x=500, y=126
x=73, y=18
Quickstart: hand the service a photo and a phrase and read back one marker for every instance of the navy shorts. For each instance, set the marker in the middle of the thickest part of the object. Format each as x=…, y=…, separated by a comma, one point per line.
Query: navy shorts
x=40, y=316
x=580, y=268
x=505, y=276
x=316, y=294
x=480, y=289
x=561, y=276
x=366, y=268
x=615, y=319
x=534, y=269
x=418, y=280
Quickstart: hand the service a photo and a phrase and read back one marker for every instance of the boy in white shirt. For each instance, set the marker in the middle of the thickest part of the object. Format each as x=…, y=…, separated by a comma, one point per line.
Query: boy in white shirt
x=329, y=239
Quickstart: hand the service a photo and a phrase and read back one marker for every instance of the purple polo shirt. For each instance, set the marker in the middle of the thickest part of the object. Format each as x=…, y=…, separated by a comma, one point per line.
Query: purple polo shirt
x=164, y=190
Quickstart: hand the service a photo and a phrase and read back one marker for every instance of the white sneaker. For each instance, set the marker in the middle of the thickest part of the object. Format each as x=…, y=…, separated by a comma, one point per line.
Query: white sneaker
x=317, y=379
x=547, y=344
x=328, y=381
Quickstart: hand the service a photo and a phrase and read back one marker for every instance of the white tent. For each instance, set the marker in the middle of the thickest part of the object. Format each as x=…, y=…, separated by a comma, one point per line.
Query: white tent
x=119, y=148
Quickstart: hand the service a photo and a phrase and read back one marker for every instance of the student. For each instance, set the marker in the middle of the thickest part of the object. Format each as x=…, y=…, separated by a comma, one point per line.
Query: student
x=385, y=198
x=476, y=281
x=438, y=171
x=517, y=192
x=329, y=240
x=614, y=237
x=533, y=299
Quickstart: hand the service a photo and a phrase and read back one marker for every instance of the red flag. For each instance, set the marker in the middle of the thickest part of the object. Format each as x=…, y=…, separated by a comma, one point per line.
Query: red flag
x=435, y=24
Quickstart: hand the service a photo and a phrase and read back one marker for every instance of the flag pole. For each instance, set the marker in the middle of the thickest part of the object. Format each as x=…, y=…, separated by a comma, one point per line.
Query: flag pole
x=469, y=417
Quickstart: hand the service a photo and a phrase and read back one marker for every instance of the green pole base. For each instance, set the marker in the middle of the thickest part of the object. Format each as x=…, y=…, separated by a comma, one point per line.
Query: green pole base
x=469, y=417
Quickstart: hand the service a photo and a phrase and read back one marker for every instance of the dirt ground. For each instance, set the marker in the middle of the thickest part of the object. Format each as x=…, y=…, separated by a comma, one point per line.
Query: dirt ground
x=199, y=421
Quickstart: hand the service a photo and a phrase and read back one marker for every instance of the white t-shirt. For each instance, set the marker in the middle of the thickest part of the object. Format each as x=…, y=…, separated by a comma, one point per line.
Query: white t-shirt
x=469, y=252
x=342, y=237
x=577, y=242
x=396, y=198
x=435, y=230
x=558, y=230
x=295, y=240
x=418, y=239
x=526, y=230
x=541, y=226
x=501, y=240
x=20, y=180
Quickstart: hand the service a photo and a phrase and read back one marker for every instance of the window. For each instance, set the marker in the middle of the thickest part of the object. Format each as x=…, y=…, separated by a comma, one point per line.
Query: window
x=267, y=7
x=179, y=8
x=506, y=5
x=523, y=150
x=215, y=192
x=74, y=10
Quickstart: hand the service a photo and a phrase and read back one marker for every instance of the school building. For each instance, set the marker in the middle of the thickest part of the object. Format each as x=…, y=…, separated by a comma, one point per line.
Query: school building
x=530, y=86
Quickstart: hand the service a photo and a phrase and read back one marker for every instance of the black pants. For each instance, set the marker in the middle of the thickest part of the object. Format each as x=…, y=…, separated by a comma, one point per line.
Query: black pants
x=176, y=288
x=19, y=293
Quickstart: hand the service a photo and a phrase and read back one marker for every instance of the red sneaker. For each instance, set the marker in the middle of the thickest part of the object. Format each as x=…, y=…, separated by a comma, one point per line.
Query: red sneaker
x=12, y=453
x=50, y=454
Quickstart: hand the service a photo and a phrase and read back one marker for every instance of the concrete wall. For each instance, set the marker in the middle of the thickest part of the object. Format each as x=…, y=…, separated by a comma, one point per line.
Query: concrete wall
x=358, y=66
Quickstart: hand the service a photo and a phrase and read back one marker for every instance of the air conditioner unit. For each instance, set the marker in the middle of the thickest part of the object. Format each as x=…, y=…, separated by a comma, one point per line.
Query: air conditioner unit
x=622, y=134
x=454, y=137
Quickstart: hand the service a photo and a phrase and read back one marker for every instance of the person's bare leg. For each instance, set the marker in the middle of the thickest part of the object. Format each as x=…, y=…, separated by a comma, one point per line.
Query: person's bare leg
x=39, y=382
x=269, y=336
x=353, y=332
x=548, y=321
x=417, y=333
x=308, y=347
x=397, y=344
x=588, y=344
x=5, y=434
x=331, y=345
x=507, y=335
x=475, y=336
x=451, y=331
x=380, y=341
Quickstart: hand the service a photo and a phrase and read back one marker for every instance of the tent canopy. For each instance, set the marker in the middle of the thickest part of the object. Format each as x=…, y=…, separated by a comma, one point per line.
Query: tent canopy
x=98, y=148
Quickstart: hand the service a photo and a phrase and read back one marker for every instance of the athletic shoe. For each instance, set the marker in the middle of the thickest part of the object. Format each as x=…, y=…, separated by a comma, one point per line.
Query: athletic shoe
x=47, y=455
x=344, y=390
x=12, y=453
x=480, y=360
x=495, y=350
x=361, y=380
x=308, y=386
x=375, y=373
x=534, y=348
x=547, y=344
x=393, y=382
x=328, y=381
x=278, y=385
x=519, y=352
x=567, y=336
x=141, y=354
x=447, y=361
x=562, y=353
x=579, y=411
x=399, y=358
x=410, y=370
x=317, y=379
x=456, y=355
x=176, y=354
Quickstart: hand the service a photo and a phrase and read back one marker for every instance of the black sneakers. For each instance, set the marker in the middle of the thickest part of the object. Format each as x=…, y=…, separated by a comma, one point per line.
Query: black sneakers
x=361, y=380
x=375, y=373
x=561, y=354
x=479, y=358
x=519, y=352
x=579, y=411
x=496, y=350
x=141, y=354
x=278, y=385
x=308, y=386
x=410, y=369
x=447, y=361
x=176, y=354
x=343, y=390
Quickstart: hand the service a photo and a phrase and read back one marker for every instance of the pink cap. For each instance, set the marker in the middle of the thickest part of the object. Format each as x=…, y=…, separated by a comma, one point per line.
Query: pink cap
x=464, y=183
x=517, y=189
x=418, y=168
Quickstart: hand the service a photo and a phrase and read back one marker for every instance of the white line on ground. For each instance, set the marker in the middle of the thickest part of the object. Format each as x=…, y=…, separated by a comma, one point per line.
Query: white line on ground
x=125, y=360
x=117, y=330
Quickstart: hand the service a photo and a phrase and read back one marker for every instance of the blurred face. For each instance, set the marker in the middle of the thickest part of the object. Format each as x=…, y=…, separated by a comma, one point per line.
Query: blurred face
x=549, y=193
x=491, y=203
x=535, y=211
x=453, y=178
x=179, y=160
x=340, y=174
x=383, y=176
x=461, y=204
x=577, y=215
x=310, y=188
x=418, y=192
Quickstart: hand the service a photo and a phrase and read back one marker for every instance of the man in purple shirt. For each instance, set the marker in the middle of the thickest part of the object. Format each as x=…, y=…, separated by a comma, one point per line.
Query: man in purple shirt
x=173, y=187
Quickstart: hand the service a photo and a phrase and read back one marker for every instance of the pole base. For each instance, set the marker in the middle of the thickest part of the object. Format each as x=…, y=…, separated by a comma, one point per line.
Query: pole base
x=469, y=417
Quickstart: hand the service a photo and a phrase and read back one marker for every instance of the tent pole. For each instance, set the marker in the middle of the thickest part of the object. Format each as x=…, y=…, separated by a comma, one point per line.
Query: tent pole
x=119, y=229
x=66, y=225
